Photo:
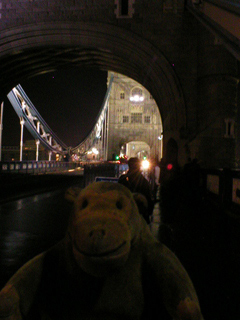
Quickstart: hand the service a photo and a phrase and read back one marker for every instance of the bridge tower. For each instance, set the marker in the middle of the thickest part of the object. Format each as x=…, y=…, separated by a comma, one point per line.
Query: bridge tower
x=134, y=121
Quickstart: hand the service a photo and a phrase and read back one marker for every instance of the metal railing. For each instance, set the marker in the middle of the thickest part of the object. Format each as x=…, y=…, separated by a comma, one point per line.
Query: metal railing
x=35, y=167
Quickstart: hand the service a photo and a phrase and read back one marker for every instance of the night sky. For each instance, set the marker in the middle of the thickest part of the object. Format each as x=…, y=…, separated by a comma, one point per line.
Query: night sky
x=68, y=100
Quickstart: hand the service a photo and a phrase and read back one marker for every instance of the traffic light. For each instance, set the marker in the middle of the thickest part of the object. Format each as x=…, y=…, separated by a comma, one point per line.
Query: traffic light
x=169, y=166
x=117, y=158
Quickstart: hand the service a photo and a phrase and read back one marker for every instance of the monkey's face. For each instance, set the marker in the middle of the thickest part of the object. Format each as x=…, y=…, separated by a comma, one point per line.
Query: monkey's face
x=103, y=228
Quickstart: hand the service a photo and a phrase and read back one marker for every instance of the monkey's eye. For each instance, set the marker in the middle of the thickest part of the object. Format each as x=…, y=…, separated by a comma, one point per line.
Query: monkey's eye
x=119, y=204
x=84, y=204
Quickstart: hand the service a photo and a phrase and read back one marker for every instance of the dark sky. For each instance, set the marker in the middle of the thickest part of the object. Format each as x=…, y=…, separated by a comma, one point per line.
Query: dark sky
x=68, y=100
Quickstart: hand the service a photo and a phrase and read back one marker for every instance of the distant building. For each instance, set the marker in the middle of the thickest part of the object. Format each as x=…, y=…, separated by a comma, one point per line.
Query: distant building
x=134, y=122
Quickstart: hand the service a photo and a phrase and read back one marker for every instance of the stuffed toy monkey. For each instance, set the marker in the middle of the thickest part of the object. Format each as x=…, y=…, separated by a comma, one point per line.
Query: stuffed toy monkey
x=108, y=266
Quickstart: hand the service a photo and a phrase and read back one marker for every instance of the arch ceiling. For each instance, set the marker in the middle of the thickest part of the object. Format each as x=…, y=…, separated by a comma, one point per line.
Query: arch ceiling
x=34, y=49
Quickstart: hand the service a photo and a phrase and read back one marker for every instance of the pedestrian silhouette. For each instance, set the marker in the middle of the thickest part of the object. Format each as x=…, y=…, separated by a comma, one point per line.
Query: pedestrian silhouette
x=136, y=183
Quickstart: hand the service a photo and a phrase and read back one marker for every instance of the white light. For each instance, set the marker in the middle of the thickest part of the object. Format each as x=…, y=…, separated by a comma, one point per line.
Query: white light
x=95, y=151
x=145, y=164
x=136, y=98
x=160, y=137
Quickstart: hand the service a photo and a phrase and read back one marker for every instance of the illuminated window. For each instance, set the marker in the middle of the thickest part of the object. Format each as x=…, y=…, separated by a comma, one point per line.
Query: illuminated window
x=136, y=95
x=125, y=119
x=136, y=117
x=147, y=119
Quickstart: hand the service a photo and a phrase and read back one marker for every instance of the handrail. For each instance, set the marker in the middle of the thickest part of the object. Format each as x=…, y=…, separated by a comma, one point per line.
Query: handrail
x=33, y=167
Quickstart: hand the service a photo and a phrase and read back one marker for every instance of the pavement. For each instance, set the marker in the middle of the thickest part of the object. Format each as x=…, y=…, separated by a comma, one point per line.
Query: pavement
x=15, y=186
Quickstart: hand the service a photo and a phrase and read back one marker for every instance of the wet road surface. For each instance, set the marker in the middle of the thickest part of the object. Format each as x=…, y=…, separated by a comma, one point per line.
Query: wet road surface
x=30, y=225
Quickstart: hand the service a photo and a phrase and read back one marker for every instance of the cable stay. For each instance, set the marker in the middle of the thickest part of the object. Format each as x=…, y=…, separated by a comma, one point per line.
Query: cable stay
x=33, y=121
x=95, y=134
x=39, y=129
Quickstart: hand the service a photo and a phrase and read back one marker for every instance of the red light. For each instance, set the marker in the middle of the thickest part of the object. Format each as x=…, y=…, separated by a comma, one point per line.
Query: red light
x=169, y=166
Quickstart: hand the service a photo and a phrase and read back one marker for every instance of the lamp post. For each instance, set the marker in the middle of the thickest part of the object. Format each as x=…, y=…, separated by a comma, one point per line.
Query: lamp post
x=37, y=141
x=21, y=140
x=37, y=149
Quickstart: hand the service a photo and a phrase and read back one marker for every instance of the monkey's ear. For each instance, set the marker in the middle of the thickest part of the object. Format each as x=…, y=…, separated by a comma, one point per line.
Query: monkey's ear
x=72, y=193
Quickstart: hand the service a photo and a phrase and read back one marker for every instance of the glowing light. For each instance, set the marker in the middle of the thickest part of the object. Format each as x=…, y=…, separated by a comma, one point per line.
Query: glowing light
x=95, y=151
x=169, y=166
x=145, y=164
x=136, y=98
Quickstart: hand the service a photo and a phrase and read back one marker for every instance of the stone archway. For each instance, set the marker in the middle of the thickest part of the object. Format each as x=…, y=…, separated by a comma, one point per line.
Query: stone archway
x=33, y=49
x=137, y=149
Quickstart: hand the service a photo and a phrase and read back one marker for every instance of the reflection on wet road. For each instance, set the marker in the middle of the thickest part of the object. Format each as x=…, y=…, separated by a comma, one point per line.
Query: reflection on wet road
x=29, y=226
